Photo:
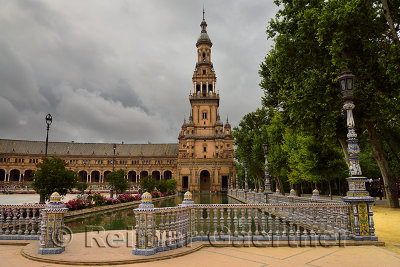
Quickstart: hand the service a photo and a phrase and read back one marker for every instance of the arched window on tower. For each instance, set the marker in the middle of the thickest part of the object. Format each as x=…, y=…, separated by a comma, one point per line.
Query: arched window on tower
x=198, y=89
x=204, y=57
x=210, y=89
x=204, y=90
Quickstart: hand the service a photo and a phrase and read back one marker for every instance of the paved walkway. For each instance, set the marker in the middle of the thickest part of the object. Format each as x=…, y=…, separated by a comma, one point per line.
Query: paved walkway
x=284, y=256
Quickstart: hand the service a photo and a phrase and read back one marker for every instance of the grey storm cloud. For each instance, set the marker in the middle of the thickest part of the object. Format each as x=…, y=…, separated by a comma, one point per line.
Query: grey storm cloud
x=112, y=71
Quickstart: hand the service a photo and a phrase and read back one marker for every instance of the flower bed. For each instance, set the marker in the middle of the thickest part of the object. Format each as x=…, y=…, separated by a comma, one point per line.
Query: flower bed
x=97, y=199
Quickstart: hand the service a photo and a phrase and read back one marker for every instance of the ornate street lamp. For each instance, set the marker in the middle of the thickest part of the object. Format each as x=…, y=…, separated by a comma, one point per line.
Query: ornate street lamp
x=246, y=184
x=49, y=120
x=357, y=196
x=267, y=184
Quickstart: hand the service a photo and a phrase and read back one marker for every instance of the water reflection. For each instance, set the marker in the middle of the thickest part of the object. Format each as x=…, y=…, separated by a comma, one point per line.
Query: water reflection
x=124, y=219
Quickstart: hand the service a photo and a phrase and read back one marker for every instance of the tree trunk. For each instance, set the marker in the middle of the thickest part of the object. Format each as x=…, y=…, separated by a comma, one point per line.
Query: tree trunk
x=380, y=157
x=42, y=199
x=343, y=144
x=330, y=189
x=279, y=184
x=391, y=148
x=389, y=20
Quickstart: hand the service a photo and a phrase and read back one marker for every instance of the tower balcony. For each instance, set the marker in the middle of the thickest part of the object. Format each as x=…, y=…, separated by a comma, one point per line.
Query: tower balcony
x=207, y=95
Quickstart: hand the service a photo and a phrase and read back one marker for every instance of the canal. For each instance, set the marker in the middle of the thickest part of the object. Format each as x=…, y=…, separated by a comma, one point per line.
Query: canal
x=124, y=219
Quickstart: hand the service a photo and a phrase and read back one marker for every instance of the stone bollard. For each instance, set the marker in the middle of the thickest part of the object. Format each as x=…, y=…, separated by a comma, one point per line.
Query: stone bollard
x=52, y=224
x=145, y=227
x=292, y=193
x=187, y=199
x=315, y=193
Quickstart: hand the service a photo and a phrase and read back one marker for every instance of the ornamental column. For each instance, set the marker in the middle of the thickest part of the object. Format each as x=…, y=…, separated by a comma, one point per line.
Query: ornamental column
x=361, y=216
x=145, y=227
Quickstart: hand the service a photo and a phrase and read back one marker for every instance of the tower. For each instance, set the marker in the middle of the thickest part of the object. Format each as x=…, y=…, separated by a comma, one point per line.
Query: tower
x=205, y=157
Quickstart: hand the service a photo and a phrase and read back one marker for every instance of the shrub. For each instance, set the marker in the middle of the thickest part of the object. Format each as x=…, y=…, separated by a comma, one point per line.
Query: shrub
x=148, y=184
x=78, y=204
x=112, y=201
x=98, y=199
x=171, y=184
x=162, y=185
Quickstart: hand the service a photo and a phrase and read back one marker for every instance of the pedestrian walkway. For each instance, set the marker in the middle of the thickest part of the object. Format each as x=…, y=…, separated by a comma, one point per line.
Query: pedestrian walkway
x=214, y=256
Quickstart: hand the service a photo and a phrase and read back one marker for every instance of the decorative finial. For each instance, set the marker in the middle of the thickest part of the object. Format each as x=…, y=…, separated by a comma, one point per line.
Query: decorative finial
x=227, y=119
x=203, y=12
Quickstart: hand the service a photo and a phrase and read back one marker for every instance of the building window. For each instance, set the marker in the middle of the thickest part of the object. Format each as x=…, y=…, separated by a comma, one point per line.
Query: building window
x=204, y=71
x=205, y=156
x=204, y=115
x=205, y=149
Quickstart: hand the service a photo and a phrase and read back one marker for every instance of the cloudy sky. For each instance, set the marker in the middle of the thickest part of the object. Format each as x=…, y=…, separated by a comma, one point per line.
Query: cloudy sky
x=112, y=71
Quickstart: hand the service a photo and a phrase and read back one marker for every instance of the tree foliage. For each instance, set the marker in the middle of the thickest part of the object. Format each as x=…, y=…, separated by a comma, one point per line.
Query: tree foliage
x=314, y=42
x=148, y=184
x=52, y=176
x=118, y=181
x=249, y=136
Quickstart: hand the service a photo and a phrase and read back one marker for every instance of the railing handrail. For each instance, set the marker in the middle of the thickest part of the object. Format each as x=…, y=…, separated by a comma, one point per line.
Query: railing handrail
x=23, y=206
x=269, y=205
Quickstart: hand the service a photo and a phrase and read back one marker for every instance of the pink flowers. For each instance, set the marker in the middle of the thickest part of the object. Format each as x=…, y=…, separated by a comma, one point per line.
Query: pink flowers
x=128, y=198
x=97, y=199
x=78, y=204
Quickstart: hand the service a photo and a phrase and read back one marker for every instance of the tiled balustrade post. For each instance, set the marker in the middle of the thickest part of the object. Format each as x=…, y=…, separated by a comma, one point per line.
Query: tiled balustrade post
x=145, y=227
x=52, y=224
x=188, y=202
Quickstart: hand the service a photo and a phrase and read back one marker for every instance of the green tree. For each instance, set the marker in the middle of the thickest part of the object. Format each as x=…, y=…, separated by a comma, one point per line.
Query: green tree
x=52, y=176
x=162, y=185
x=314, y=42
x=117, y=180
x=277, y=157
x=249, y=136
x=81, y=186
x=148, y=184
x=171, y=185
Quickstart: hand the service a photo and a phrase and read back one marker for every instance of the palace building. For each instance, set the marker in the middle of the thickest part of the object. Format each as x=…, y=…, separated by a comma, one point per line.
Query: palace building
x=202, y=160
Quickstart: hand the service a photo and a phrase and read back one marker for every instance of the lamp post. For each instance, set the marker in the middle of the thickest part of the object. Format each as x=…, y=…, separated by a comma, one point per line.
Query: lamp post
x=49, y=120
x=267, y=184
x=246, y=184
x=363, y=224
x=112, y=187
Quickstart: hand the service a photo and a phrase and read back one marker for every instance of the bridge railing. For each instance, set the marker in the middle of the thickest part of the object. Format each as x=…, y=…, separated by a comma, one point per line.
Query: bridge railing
x=250, y=196
x=20, y=221
x=160, y=229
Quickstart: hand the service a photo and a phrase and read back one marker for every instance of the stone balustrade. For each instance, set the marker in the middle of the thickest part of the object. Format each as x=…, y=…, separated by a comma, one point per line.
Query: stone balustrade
x=249, y=196
x=161, y=229
x=20, y=221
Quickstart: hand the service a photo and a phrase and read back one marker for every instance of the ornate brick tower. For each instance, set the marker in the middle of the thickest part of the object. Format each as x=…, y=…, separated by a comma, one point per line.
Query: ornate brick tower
x=205, y=158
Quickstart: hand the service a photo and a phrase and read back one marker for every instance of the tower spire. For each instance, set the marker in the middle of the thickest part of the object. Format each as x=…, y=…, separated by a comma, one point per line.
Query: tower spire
x=203, y=12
